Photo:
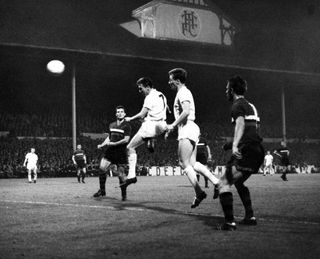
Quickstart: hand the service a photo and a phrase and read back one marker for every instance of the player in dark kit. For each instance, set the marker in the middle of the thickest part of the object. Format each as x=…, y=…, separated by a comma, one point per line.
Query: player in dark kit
x=247, y=154
x=204, y=157
x=80, y=161
x=116, y=152
x=283, y=154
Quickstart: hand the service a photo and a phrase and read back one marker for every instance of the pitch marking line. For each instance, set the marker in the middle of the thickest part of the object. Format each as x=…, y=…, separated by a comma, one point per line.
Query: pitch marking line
x=71, y=205
x=146, y=209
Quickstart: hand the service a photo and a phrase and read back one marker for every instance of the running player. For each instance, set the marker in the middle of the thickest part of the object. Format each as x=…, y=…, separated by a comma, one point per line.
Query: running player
x=116, y=152
x=188, y=133
x=80, y=161
x=31, y=160
x=154, y=116
x=247, y=154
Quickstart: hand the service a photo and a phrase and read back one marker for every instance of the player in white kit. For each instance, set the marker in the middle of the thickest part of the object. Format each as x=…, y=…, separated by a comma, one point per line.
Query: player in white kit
x=30, y=161
x=268, y=164
x=154, y=116
x=188, y=133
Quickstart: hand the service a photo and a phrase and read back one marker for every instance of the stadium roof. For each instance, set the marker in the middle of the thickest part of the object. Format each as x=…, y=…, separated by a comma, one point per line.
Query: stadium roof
x=276, y=36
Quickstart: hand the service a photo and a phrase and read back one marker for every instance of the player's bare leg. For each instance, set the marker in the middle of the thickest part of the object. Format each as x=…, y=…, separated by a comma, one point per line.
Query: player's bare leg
x=187, y=154
x=202, y=169
x=78, y=175
x=35, y=175
x=122, y=178
x=83, y=175
x=104, y=165
x=29, y=176
x=135, y=142
x=226, y=199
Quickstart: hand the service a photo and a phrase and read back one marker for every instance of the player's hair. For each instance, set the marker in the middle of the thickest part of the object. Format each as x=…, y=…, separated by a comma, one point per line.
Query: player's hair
x=179, y=74
x=145, y=81
x=121, y=107
x=238, y=84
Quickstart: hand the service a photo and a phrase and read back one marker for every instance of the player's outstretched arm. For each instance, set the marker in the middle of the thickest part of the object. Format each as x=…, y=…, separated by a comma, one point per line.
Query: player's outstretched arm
x=143, y=113
x=104, y=143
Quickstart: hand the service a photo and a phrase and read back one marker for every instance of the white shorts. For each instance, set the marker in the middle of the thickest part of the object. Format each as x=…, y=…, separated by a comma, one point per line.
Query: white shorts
x=151, y=129
x=31, y=167
x=190, y=130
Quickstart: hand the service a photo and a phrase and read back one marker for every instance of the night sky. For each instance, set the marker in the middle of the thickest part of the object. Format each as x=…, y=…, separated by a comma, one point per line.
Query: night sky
x=277, y=35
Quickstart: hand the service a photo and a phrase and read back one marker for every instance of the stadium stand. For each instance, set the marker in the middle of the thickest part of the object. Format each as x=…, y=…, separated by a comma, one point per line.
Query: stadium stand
x=50, y=135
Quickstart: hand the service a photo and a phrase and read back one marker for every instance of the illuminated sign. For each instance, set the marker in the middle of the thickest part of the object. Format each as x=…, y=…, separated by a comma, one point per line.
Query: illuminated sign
x=185, y=20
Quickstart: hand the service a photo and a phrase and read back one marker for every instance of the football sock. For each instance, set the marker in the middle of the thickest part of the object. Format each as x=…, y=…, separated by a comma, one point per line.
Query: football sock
x=226, y=201
x=246, y=200
x=205, y=172
x=102, y=181
x=132, y=159
x=120, y=179
x=192, y=176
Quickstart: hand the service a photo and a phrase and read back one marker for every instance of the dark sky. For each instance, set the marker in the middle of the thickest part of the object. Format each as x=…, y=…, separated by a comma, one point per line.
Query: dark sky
x=273, y=34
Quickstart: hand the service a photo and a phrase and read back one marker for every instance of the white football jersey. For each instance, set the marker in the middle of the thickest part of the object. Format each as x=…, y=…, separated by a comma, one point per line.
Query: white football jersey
x=32, y=159
x=183, y=95
x=268, y=159
x=156, y=103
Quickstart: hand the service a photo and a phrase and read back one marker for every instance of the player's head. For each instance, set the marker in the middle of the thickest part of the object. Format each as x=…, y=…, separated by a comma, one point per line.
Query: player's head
x=79, y=146
x=236, y=86
x=120, y=112
x=268, y=152
x=177, y=76
x=144, y=85
x=33, y=150
x=283, y=143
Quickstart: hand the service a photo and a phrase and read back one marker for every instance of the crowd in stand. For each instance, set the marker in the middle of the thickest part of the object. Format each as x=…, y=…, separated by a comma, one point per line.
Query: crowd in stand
x=55, y=154
x=59, y=125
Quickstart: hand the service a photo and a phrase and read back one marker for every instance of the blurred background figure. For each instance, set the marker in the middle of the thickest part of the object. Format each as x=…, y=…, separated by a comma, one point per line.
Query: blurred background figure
x=30, y=162
x=80, y=161
x=268, y=164
x=283, y=154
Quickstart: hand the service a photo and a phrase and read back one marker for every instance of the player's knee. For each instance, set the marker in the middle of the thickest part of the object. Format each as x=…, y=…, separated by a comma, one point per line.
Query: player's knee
x=223, y=187
x=131, y=150
x=183, y=164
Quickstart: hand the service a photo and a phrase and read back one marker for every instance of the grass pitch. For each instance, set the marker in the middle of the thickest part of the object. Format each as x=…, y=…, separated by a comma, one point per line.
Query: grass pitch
x=59, y=218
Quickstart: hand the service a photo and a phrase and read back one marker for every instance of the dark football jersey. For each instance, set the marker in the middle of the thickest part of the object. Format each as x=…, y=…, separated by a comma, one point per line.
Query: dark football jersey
x=78, y=155
x=202, y=146
x=118, y=132
x=284, y=153
x=241, y=107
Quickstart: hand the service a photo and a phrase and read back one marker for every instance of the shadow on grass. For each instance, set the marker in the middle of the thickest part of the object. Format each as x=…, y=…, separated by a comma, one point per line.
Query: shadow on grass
x=207, y=218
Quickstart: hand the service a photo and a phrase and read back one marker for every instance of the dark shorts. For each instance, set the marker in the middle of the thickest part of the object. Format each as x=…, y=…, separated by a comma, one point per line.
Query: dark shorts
x=80, y=164
x=116, y=156
x=252, y=158
x=284, y=162
x=202, y=158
